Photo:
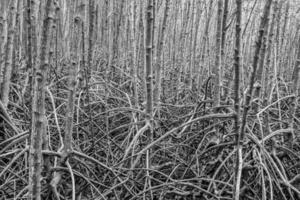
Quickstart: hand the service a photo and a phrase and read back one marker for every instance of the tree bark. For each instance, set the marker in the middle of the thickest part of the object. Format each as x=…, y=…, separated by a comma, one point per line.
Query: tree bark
x=263, y=23
x=217, y=67
x=157, y=90
x=237, y=66
x=148, y=58
x=35, y=159
x=8, y=59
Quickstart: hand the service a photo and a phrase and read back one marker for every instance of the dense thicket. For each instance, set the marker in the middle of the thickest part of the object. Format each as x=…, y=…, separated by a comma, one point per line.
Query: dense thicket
x=152, y=99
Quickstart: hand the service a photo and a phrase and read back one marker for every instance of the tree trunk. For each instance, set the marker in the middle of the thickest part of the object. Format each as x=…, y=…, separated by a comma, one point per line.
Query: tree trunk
x=157, y=90
x=8, y=59
x=149, y=84
x=217, y=67
x=237, y=66
x=35, y=159
x=148, y=59
x=223, y=45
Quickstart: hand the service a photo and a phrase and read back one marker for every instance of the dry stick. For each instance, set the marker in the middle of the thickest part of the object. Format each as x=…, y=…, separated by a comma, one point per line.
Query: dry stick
x=220, y=167
x=3, y=155
x=12, y=161
x=264, y=22
x=174, y=191
x=273, y=164
x=84, y=156
x=281, y=131
x=275, y=102
x=55, y=115
x=5, y=116
x=264, y=195
x=72, y=180
x=135, y=139
x=15, y=141
x=76, y=153
x=89, y=181
x=18, y=196
x=206, y=117
x=281, y=175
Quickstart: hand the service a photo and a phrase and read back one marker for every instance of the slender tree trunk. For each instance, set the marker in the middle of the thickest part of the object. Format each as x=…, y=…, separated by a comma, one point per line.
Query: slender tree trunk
x=35, y=28
x=141, y=52
x=265, y=82
x=3, y=34
x=89, y=66
x=91, y=33
x=2, y=29
x=196, y=71
x=149, y=84
x=223, y=44
x=205, y=42
x=264, y=21
x=29, y=57
x=189, y=75
x=295, y=89
x=32, y=45
x=134, y=38
x=8, y=59
x=296, y=75
x=157, y=90
x=174, y=41
x=148, y=58
x=237, y=66
x=17, y=47
x=261, y=65
x=217, y=67
x=76, y=22
x=35, y=159
x=282, y=40
x=184, y=42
